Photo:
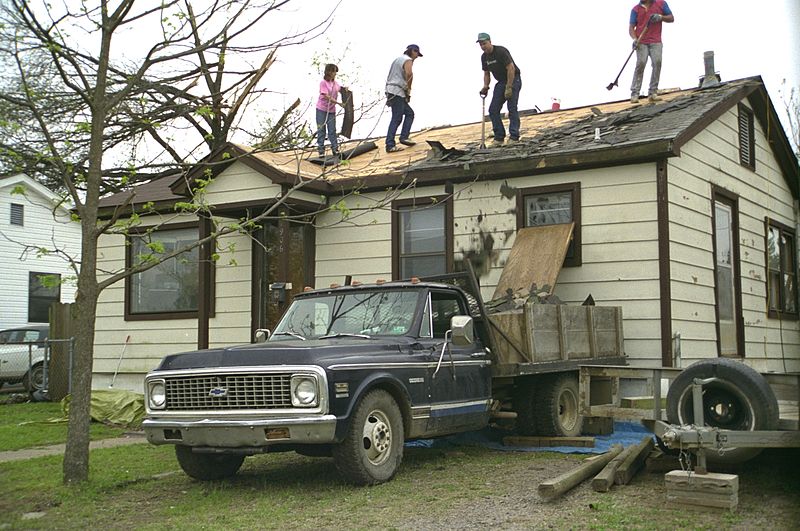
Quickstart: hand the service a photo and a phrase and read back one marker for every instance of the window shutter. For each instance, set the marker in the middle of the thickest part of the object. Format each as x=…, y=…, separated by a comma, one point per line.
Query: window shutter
x=17, y=214
x=747, y=142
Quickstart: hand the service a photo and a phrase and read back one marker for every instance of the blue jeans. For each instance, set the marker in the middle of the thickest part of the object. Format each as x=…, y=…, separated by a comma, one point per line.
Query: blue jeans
x=326, y=120
x=401, y=112
x=498, y=98
x=643, y=51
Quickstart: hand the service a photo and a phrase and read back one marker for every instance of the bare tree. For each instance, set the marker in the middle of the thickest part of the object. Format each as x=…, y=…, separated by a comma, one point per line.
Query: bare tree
x=100, y=121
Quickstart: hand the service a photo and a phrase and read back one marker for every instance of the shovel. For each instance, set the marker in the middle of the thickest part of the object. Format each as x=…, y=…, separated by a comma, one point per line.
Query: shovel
x=635, y=46
x=483, y=121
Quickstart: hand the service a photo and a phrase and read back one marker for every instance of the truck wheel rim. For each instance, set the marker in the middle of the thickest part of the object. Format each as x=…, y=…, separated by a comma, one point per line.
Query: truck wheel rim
x=377, y=437
x=724, y=406
x=567, y=410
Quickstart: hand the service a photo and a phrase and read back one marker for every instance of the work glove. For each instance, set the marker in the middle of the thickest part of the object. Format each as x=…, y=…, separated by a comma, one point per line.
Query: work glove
x=509, y=92
x=484, y=91
x=655, y=18
x=635, y=44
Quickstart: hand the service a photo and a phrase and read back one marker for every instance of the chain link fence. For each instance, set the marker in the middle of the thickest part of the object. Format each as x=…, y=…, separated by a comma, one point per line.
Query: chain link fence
x=43, y=368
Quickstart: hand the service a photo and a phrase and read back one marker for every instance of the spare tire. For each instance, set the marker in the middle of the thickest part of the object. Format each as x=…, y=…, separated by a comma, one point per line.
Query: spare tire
x=739, y=399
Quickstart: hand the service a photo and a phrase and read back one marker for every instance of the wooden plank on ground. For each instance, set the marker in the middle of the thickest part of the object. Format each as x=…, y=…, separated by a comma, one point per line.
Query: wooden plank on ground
x=633, y=461
x=536, y=256
x=582, y=442
x=561, y=484
x=603, y=481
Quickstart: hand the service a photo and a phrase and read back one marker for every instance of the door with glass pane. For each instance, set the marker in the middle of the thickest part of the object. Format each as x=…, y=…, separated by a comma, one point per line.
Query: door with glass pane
x=283, y=254
x=726, y=277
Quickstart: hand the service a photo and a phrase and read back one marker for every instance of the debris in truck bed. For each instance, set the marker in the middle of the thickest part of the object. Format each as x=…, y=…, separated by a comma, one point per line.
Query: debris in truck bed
x=515, y=300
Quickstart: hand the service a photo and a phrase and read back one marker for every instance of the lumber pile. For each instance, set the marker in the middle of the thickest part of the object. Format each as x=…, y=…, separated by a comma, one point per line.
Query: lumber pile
x=615, y=467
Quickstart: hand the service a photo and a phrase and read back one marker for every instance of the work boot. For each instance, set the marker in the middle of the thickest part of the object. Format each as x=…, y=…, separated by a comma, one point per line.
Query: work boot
x=498, y=142
x=513, y=140
x=407, y=142
x=635, y=99
x=653, y=98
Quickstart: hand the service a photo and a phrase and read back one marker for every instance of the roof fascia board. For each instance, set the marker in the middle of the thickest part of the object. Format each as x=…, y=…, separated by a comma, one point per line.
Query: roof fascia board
x=704, y=120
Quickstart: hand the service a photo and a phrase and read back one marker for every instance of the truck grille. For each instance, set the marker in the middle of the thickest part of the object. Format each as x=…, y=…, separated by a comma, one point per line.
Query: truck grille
x=229, y=392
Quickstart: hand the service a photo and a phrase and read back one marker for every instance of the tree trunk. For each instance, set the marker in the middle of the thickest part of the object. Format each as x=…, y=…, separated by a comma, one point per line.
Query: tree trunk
x=76, y=455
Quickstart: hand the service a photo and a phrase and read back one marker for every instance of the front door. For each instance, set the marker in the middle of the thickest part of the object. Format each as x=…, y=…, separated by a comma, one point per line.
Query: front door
x=283, y=258
x=460, y=388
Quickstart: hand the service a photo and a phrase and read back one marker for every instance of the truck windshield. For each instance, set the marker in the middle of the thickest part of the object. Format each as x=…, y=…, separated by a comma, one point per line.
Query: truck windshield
x=364, y=313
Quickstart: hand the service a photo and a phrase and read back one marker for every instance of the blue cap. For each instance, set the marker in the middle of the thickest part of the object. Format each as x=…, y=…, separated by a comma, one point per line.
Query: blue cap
x=413, y=48
x=483, y=37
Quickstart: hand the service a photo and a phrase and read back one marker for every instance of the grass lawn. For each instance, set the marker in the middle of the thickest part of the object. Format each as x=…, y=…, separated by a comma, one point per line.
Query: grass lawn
x=141, y=487
x=27, y=426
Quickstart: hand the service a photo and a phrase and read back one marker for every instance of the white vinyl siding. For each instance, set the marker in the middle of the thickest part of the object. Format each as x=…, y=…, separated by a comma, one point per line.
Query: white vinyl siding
x=712, y=157
x=41, y=229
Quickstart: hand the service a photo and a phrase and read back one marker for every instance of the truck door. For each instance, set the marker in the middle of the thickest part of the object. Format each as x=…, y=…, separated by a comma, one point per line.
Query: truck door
x=460, y=389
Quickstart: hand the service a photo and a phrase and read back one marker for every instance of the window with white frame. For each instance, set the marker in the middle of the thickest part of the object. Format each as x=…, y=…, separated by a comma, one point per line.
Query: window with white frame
x=43, y=290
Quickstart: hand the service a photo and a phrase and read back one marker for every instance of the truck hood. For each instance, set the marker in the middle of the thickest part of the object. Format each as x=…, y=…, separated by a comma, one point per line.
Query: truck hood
x=289, y=352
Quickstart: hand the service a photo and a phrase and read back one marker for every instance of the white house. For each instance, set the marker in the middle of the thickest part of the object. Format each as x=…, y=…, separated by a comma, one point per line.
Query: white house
x=685, y=212
x=34, y=225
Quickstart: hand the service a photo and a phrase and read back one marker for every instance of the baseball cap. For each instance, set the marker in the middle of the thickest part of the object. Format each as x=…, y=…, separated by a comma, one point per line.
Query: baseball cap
x=483, y=37
x=413, y=48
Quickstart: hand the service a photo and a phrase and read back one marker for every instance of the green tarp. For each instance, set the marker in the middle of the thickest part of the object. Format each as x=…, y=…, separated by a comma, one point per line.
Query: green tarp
x=114, y=406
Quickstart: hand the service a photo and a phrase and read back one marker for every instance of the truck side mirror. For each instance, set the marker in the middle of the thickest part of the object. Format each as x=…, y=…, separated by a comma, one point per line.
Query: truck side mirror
x=461, y=329
x=262, y=334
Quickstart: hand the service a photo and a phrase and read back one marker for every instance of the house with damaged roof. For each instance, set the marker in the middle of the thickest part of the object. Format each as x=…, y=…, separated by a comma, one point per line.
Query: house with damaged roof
x=685, y=214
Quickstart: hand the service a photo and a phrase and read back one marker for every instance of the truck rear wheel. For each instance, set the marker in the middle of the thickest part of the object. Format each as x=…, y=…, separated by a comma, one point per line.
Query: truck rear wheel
x=372, y=451
x=559, y=407
x=207, y=467
x=740, y=399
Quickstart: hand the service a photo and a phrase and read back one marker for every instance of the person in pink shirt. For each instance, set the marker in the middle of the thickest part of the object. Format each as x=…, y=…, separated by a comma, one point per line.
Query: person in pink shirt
x=326, y=110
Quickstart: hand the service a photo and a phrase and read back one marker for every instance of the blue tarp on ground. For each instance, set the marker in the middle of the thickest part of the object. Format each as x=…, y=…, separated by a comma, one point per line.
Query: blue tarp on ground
x=625, y=433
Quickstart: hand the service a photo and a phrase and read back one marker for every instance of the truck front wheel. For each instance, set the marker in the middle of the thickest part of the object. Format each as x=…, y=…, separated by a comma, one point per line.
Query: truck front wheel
x=207, y=467
x=559, y=414
x=373, y=448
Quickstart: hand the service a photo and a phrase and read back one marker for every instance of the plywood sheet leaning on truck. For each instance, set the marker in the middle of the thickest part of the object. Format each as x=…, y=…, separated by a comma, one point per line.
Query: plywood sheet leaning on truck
x=535, y=258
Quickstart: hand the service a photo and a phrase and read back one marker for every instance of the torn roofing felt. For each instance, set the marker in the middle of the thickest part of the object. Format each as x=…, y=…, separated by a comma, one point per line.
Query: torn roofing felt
x=551, y=141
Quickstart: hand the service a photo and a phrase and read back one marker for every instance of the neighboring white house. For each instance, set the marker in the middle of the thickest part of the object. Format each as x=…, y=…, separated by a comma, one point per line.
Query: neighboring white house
x=34, y=224
x=685, y=212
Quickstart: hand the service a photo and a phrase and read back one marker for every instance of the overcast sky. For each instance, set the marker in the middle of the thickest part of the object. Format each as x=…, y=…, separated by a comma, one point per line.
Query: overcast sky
x=570, y=51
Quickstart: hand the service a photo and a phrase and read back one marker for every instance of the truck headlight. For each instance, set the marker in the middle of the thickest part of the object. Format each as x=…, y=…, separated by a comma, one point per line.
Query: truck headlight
x=156, y=394
x=304, y=391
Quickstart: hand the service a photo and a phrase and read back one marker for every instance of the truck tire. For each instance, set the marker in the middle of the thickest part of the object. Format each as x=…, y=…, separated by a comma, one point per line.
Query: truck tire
x=34, y=379
x=558, y=405
x=207, y=467
x=524, y=400
x=740, y=399
x=373, y=447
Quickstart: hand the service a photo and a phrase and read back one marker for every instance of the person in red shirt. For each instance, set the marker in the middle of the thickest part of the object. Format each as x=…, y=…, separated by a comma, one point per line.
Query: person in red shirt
x=645, y=26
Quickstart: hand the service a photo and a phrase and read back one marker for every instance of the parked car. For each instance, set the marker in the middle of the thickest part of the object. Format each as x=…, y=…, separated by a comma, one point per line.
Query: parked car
x=22, y=353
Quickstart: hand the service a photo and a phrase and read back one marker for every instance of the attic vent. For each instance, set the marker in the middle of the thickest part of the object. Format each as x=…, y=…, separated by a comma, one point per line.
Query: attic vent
x=747, y=141
x=17, y=214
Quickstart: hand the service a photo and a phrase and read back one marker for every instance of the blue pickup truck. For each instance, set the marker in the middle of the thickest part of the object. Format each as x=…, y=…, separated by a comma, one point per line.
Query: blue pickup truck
x=353, y=372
